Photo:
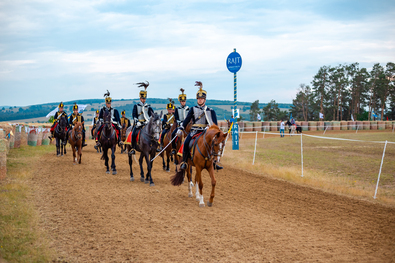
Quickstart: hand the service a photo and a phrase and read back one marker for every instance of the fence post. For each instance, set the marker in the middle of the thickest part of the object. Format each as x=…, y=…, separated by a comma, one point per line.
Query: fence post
x=378, y=179
x=256, y=137
x=357, y=129
x=301, y=150
x=325, y=129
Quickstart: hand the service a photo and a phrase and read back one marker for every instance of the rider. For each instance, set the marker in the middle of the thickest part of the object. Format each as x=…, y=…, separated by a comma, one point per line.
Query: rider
x=125, y=121
x=60, y=113
x=179, y=115
x=292, y=121
x=114, y=116
x=94, y=120
x=141, y=114
x=202, y=117
x=77, y=117
x=167, y=122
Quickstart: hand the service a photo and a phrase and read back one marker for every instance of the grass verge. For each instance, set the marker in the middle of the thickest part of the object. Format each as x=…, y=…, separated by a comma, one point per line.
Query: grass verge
x=21, y=239
x=342, y=167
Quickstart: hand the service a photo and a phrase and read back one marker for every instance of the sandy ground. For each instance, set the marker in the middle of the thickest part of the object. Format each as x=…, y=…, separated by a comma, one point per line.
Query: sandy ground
x=91, y=216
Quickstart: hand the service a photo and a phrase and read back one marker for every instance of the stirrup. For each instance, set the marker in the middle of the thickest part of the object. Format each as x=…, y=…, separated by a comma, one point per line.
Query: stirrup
x=183, y=166
x=173, y=152
x=217, y=166
x=132, y=151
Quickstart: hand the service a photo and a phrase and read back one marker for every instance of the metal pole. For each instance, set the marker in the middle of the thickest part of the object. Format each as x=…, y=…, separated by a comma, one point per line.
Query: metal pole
x=378, y=179
x=256, y=138
x=301, y=150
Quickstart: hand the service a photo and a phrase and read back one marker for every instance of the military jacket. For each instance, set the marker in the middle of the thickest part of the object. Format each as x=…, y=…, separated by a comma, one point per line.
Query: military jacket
x=73, y=119
x=58, y=115
x=181, y=113
x=94, y=121
x=201, y=118
x=168, y=120
x=125, y=121
x=114, y=115
x=142, y=112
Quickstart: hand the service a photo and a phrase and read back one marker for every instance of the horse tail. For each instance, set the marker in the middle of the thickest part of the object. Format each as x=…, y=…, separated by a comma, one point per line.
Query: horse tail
x=178, y=178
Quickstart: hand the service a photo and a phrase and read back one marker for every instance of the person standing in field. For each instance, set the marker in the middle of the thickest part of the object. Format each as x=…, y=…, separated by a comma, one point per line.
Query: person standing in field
x=282, y=126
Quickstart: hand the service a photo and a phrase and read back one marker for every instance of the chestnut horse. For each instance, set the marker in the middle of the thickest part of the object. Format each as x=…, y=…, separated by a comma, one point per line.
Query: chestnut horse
x=75, y=140
x=208, y=146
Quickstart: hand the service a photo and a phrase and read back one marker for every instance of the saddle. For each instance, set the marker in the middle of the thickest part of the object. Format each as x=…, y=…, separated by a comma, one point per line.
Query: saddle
x=191, y=145
x=129, y=138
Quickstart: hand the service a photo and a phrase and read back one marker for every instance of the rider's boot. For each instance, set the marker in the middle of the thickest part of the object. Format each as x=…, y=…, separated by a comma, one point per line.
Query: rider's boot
x=160, y=147
x=83, y=141
x=97, y=144
x=217, y=166
x=120, y=143
x=51, y=136
x=173, y=145
x=132, y=151
x=184, y=163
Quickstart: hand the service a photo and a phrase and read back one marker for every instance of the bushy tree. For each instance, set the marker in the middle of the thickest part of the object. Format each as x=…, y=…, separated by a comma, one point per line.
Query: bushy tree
x=271, y=111
x=254, y=110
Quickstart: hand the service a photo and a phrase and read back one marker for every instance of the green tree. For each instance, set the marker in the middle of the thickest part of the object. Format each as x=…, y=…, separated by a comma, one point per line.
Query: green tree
x=50, y=119
x=271, y=111
x=254, y=110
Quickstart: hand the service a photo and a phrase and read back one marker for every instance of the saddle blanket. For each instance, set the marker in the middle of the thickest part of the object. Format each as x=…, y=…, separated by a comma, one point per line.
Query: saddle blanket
x=129, y=139
x=191, y=142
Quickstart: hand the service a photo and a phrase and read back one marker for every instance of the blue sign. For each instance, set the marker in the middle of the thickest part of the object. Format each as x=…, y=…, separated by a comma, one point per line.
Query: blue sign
x=233, y=62
x=235, y=136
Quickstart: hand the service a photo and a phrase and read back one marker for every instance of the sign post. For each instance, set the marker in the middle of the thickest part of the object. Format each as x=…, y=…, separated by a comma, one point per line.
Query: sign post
x=233, y=63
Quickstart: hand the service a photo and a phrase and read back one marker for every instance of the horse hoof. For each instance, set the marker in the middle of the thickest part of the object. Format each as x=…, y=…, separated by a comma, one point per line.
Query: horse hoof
x=190, y=195
x=114, y=172
x=168, y=170
x=141, y=179
x=107, y=172
x=132, y=179
x=209, y=204
x=146, y=181
x=201, y=205
x=151, y=184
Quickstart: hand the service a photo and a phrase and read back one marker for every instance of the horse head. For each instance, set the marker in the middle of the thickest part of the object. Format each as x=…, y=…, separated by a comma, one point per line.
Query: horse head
x=218, y=139
x=154, y=127
x=107, y=119
x=78, y=131
x=61, y=127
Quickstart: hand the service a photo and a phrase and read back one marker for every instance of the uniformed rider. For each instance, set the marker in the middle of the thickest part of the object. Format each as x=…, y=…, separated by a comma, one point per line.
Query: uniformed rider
x=77, y=117
x=114, y=117
x=94, y=121
x=125, y=122
x=60, y=113
x=202, y=117
x=167, y=122
x=141, y=114
x=180, y=115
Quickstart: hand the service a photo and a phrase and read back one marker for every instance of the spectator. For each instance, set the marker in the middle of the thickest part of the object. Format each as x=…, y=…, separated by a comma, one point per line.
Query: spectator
x=282, y=128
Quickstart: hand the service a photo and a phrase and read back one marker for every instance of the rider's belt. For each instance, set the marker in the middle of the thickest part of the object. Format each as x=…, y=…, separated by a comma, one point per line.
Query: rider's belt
x=141, y=120
x=199, y=126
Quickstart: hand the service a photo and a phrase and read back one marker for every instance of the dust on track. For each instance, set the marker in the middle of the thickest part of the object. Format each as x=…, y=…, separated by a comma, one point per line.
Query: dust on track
x=91, y=216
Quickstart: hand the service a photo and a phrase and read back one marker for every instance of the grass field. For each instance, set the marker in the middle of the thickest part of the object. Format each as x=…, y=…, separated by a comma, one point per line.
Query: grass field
x=20, y=237
x=345, y=167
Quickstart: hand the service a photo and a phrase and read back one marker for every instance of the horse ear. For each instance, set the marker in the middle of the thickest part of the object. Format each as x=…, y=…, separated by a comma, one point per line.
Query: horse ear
x=161, y=113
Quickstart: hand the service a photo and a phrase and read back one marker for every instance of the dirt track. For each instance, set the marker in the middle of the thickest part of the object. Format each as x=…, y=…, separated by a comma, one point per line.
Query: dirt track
x=92, y=216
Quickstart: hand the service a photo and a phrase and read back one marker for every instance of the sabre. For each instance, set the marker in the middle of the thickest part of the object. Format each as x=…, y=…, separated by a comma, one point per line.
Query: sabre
x=164, y=148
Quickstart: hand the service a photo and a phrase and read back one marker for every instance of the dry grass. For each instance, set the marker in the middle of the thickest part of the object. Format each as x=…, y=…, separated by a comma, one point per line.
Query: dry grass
x=20, y=237
x=343, y=167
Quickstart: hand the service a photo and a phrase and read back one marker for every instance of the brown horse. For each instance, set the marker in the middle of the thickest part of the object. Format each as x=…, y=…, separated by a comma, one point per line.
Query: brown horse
x=166, y=139
x=75, y=140
x=208, y=146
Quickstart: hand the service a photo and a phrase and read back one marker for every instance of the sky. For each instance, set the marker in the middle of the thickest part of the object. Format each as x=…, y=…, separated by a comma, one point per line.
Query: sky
x=52, y=51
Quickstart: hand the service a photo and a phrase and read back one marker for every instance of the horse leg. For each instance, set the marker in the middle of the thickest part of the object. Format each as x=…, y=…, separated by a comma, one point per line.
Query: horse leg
x=130, y=165
x=149, y=167
x=213, y=183
x=141, y=167
x=163, y=161
x=74, y=154
x=168, y=161
x=105, y=152
x=114, y=170
x=57, y=147
x=64, y=147
x=190, y=184
x=199, y=182
x=80, y=153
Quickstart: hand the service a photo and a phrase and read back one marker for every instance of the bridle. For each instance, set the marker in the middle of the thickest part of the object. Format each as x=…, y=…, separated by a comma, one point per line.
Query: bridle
x=77, y=134
x=210, y=149
x=108, y=125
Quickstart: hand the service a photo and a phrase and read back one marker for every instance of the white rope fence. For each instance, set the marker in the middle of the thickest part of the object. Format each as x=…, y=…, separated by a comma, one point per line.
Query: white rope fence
x=320, y=137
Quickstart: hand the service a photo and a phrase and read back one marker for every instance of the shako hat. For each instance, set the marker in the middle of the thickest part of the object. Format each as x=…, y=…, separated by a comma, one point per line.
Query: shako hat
x=170, y=105
x=201, y=94
x=182, y=96
x=143, y=93
x=107, y=97
x=61, y=105
x=75, y=106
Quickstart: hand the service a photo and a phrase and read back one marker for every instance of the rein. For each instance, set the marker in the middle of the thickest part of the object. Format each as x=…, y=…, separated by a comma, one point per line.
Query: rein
x=209, y=149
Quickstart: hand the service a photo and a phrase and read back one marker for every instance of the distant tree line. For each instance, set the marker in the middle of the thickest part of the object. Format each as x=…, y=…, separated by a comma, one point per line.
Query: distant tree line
x=346, y=92
x=270, y=112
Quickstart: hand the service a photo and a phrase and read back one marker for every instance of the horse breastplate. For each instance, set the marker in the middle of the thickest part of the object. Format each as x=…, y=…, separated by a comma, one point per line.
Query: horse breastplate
x=142, y=112
x=182, y=113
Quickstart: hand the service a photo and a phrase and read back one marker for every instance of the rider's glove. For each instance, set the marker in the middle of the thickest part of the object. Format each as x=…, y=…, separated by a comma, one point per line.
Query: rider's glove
x=179, y=133
x=138, y=124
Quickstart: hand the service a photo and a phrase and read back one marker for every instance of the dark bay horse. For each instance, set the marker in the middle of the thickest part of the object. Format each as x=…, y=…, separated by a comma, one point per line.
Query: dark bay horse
x=75, y=140
x=166, y=139
x=147, y=145
x=94, y=134
x=108, y=140
x=208, y=146
x=60, y=135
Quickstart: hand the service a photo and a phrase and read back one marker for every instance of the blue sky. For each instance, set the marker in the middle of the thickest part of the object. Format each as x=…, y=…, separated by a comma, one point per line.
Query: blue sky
x=54, y=51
